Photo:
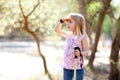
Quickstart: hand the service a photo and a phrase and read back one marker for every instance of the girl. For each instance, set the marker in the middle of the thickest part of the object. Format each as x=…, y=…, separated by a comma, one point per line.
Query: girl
x=75, y=37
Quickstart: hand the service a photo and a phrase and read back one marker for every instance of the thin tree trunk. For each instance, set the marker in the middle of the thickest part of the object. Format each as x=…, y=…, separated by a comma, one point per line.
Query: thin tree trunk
x=97, y=36
x=106, y=5
x=25, y=28
x=114, y=57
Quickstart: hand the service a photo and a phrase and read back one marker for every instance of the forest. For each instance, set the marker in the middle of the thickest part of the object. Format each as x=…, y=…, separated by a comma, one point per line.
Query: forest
x=30, y=49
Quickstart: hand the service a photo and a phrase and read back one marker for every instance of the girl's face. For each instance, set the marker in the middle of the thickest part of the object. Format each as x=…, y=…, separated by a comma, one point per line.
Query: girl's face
x=70, y=24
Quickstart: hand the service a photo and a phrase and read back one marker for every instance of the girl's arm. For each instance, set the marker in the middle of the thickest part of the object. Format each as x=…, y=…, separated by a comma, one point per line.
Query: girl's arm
x=59, y=30
x=85, y=45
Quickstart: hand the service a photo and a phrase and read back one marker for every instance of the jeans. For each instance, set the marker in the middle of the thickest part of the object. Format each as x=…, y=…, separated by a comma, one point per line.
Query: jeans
x=69, y=74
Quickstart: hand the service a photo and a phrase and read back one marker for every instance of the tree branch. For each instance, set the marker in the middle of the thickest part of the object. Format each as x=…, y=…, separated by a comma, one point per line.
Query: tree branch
x=34, y=8
x=110, y=12
x=94, y=15
x=36, y=39
x=21, y=8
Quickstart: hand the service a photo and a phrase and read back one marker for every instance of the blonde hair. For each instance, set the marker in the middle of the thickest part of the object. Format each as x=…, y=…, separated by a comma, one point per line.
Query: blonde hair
x=79, y=23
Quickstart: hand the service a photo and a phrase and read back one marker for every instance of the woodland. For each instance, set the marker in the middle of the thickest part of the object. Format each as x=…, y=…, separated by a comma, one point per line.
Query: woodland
x=27, y=32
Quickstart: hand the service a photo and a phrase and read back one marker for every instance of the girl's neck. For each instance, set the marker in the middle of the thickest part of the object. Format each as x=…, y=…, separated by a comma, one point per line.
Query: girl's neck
x=73, y=34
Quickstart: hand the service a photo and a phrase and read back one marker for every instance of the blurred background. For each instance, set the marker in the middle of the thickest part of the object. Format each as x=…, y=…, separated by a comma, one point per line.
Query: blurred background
x=25, y=23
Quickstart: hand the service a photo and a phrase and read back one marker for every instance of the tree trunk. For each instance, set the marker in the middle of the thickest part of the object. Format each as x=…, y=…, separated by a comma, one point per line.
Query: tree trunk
x=114, y=57
x=97, y=36
x=106, y=5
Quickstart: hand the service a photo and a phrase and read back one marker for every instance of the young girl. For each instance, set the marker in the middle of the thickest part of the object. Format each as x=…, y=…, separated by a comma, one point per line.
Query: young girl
x=75, y=37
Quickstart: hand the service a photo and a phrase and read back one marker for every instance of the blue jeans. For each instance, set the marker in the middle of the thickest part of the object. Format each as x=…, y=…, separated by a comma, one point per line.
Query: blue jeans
x=69, y=74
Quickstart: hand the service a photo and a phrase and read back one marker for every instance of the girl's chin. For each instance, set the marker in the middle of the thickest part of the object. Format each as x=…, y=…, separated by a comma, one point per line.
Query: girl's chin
x=69, y=30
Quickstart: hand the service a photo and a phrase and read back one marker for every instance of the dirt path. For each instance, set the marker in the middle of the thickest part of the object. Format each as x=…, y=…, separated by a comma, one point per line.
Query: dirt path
x=20, y=61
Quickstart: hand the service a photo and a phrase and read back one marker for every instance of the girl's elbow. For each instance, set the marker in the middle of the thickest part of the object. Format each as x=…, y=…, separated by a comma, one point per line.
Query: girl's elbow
x=85, y=54
x=55, y=29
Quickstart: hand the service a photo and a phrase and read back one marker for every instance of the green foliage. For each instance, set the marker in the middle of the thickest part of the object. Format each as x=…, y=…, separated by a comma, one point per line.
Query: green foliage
x=93, y=10
x=94, y=7
x=42, y=20
x=106, y=26
x=117, y=11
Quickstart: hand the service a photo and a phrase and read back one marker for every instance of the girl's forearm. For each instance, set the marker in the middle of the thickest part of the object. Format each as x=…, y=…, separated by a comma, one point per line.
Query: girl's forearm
x=58, y=27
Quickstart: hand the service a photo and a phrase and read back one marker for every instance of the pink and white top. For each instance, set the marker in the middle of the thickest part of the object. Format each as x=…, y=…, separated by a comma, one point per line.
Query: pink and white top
x=68, y=59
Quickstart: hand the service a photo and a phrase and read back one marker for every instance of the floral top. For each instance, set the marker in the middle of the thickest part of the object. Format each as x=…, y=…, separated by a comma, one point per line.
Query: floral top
x=68, y=59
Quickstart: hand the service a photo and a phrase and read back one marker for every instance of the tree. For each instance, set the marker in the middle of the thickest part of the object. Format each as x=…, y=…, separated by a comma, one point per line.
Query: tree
x=106, y=5
x=114, y=57
x=25, y=28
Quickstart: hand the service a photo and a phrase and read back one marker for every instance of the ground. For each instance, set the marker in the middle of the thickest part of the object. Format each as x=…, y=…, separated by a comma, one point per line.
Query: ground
x=19, y=60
